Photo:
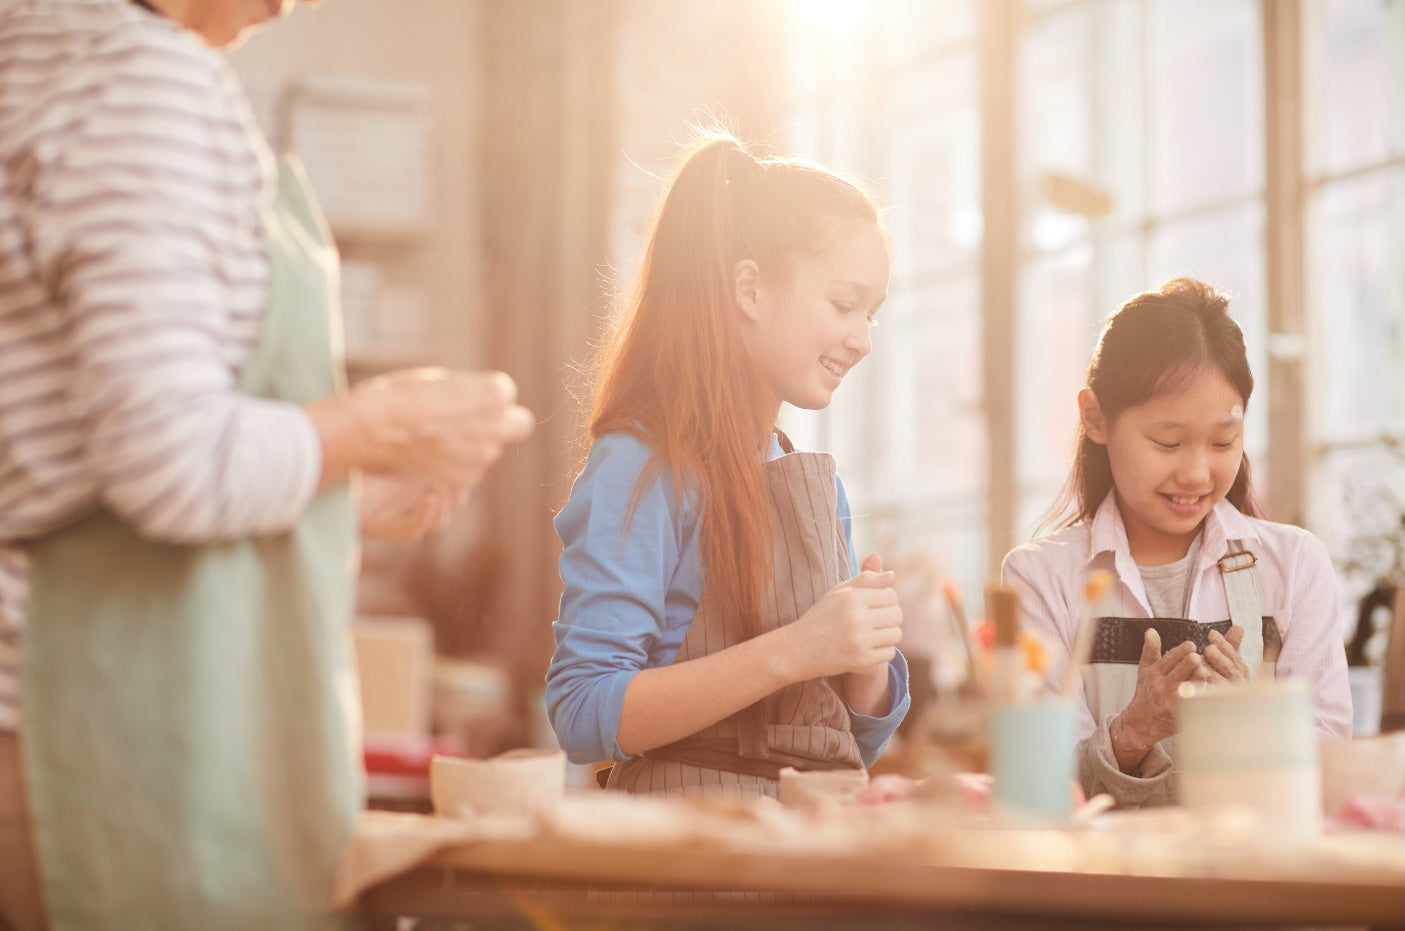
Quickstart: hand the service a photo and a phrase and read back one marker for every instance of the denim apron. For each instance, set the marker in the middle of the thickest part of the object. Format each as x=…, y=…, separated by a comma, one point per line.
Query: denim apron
x=189, y=732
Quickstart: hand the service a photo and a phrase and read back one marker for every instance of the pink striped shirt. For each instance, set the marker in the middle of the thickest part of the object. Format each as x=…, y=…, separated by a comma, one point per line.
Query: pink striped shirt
x=133, y=282
x=1296, y=576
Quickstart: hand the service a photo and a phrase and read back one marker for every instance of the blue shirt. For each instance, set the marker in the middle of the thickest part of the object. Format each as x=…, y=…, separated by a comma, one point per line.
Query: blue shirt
x=631, y=591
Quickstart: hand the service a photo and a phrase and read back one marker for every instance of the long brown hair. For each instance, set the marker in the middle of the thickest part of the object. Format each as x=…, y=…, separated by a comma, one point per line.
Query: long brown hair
x=675, y=372
x=1158, y=342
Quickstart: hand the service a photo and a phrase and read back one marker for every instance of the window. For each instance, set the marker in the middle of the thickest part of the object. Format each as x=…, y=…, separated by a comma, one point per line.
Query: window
x=895, y=98
x=1354, y=159
x=1141, y=159
x=1139, y=154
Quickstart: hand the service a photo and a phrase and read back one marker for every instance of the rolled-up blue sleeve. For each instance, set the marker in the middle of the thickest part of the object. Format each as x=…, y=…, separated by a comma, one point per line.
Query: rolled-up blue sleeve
x=873, y=733
x=631, y=588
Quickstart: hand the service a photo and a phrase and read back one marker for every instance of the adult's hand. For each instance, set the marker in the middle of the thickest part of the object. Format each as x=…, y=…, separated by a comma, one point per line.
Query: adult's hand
x=434, y=425
x=438, y=424
x=401, y=510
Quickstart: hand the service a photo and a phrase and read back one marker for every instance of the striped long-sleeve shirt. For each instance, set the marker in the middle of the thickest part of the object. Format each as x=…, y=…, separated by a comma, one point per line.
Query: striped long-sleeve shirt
x=133, y=279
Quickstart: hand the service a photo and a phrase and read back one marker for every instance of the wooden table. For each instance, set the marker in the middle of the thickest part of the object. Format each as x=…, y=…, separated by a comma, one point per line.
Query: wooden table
x=556, y=882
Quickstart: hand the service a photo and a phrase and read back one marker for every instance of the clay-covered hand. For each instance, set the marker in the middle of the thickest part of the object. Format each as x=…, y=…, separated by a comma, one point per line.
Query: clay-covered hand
x=1222, y=660
x=401, y=510
x=1151, y=714
x=438, y=425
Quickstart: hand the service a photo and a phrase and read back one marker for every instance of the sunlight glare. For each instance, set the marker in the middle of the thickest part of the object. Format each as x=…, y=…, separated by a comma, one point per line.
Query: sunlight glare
x=837, y=16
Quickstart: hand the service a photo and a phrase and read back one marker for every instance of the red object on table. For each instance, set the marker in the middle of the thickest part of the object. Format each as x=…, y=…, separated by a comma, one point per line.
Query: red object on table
x=397, y=769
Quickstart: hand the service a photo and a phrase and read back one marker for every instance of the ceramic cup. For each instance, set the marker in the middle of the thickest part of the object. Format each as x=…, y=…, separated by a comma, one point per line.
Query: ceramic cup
x=1252, y=746
x=1032, y=759
x=519, y=783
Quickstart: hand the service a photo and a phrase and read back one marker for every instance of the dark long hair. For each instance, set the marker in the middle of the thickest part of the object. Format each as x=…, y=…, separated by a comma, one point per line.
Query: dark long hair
x=675, y=371
x=1159, y=341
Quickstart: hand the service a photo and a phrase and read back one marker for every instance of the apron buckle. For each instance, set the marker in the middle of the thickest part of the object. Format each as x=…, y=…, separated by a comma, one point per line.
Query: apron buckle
x=1236, y=562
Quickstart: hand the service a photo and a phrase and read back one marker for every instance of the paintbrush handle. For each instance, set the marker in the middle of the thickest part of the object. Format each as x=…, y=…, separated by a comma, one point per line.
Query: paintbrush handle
x=1096, y=587
x=961, y=628
x=1082, y=649
x=1002, y=608
x=1007, y=660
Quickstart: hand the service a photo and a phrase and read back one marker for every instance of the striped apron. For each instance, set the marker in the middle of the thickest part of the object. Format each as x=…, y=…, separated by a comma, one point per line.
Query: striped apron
x=804, y=725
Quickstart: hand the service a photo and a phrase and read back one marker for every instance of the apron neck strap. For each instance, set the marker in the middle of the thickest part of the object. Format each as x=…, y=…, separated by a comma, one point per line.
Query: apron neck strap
x=1238, y=569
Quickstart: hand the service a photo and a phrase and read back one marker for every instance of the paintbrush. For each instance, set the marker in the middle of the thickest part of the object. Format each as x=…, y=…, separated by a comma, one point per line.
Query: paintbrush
x=1094, y=588
x=956, y=615
x=1008, y=661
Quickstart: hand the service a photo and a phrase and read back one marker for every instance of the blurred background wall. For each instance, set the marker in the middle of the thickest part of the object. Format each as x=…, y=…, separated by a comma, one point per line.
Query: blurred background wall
x=1042, y=161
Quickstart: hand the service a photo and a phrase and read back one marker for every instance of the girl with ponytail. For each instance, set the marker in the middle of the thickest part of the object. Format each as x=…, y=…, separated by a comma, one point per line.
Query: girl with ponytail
x=714, y=625
x=1160, y=497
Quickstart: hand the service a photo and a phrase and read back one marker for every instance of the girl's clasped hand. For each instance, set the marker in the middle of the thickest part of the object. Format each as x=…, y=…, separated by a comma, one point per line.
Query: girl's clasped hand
x=853, y=630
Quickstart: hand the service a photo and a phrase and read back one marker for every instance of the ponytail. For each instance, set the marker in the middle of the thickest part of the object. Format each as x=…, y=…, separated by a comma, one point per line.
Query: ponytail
x=675, y=372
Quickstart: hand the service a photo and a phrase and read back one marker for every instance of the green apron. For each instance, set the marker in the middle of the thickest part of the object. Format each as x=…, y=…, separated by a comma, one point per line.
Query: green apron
x=189, y=729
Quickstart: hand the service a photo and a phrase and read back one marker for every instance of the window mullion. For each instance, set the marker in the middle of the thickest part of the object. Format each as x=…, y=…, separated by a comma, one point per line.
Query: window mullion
x=1284, y=259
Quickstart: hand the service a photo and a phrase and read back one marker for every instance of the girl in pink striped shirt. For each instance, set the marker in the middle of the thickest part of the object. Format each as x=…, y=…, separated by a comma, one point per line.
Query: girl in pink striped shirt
x=1160, y=496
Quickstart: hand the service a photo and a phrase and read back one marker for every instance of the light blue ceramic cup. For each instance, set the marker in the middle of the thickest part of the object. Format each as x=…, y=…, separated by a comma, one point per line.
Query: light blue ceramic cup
x=1032, y=759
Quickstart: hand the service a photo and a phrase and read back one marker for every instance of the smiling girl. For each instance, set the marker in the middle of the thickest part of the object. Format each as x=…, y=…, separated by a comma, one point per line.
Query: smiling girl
x=1207, y=590
x=714, y=627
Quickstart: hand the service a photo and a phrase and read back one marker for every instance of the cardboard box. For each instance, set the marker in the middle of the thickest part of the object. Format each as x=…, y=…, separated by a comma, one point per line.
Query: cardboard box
x=395, y=664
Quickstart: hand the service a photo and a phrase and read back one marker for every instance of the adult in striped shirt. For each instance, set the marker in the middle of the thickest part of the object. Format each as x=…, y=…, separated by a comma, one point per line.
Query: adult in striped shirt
x=1162, y=493
x=135, y=281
